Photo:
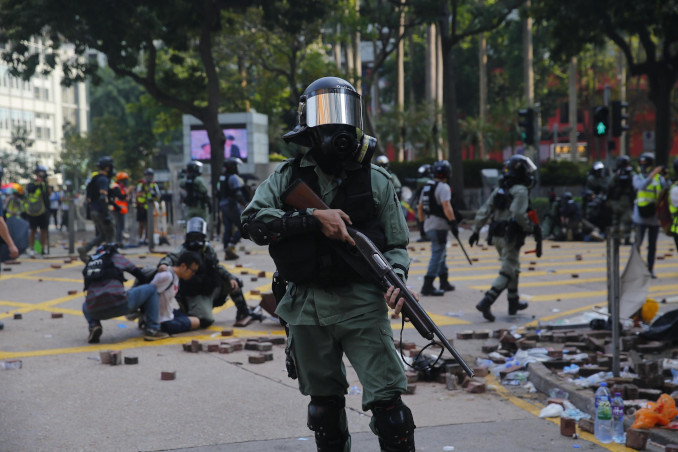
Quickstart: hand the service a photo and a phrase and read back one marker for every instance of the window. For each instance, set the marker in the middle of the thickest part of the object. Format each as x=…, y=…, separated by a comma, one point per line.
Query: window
x=38, y=133
x=36, y=92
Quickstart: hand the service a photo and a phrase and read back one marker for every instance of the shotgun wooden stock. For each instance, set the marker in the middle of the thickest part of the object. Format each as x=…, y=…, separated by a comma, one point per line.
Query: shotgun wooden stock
x=300, y=196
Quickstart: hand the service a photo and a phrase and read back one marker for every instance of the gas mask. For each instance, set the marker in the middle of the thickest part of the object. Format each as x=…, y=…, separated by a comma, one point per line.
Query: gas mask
x=337, y=145
x=195, y=241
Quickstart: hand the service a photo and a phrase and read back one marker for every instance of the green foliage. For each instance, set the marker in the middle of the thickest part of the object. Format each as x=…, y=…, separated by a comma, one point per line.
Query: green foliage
x=555, y=173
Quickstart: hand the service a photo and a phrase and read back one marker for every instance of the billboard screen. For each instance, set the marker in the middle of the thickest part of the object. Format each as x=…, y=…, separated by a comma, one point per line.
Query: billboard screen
x=236, y=143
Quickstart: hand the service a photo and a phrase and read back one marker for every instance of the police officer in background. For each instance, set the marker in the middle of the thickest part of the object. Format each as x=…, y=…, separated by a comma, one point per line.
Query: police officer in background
x=673, y=203
x=211, y=285
x=120, y=198
x=196, y=198
x=100, y=210
x=506, y=209
x=620, y=194
x=648, y=184
x=330, y=309
x=435, y=212
x=147, y=190
x=418, y=183
x=230, y=199
x=382, y=161
x=596, y=181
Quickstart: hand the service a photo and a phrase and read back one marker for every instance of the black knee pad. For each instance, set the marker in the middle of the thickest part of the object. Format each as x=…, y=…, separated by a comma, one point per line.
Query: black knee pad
x=395, y=426
x=204, y=323
x=324, y=418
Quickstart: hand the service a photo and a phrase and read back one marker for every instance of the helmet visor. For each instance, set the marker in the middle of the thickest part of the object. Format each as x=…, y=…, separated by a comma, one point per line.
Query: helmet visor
x=333, y=106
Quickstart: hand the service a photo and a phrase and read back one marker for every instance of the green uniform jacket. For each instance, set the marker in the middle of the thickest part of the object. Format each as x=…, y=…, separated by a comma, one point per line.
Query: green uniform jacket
x=517, y=210
x=313, y=304
x=199, y=209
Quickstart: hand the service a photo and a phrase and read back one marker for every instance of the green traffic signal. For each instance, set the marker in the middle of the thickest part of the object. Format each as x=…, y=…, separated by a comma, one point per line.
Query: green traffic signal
x=601, y=120
x=601, y=129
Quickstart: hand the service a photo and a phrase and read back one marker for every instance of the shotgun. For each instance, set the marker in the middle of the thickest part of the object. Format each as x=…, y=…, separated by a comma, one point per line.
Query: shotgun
x=300, y=196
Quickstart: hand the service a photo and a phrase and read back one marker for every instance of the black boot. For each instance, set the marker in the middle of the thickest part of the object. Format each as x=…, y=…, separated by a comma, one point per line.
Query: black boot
x=484, y=307
x=428, y=288
x=515, y=305
x=444, y=285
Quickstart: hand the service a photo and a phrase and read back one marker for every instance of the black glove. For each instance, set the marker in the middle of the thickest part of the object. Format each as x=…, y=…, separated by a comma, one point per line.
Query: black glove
x=473, y=239
x=454, y=227
x=537, y=238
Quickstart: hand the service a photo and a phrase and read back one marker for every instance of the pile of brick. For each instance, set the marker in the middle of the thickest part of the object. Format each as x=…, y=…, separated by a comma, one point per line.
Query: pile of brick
x=263, y=345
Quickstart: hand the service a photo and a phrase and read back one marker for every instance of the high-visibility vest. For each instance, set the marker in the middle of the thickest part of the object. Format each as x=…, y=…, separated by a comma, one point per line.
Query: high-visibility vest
x=144, y=191
x=649, y=194
x=674, y=211
x=121, y=204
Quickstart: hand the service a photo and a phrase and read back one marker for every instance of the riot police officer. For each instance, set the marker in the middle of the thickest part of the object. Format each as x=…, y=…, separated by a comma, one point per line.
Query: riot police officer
x=418, y=183
x=330, y=309
x=210, y=286
x=196, y=198
x=596, y=180
x=230, y=199
x=620, y=193
x=382, y=161
x=648, y=185
x=436, y=205
x=507, y=211
x=100, y=209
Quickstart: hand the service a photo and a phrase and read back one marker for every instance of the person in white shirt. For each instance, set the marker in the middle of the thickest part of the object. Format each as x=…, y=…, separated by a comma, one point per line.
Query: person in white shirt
x=170, y=316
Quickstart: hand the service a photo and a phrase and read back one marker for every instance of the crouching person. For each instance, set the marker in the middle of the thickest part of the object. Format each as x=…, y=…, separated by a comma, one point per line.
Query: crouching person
x=106, y=296
x=211, y=284
x=172, y=319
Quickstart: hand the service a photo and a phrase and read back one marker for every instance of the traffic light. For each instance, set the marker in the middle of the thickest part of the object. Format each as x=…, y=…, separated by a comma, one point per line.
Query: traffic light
x=601, y=121
x=526, y=121
x=619, y=117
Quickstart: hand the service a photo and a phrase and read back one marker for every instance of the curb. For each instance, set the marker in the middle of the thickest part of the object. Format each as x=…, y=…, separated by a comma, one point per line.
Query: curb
x=545, y=380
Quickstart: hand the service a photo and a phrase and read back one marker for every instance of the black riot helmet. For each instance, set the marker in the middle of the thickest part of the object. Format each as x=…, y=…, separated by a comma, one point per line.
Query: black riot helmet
x=441, y=169
x=231, y=165
x=106, y=163
x=330, y=121
x=194, y=167
x=518, y=170
x=646, y=161
x=41, y=171
x=623, y=162
x=424, y=170
x=196, y=234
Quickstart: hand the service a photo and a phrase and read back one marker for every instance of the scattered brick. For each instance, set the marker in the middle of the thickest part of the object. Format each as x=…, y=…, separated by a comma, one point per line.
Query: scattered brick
x=244, y=272
x=651, y=347
x=251, y=345
x=264, y=346
x=530, y=269
x=481, y=371
x=451, y=382
x=411, y=388
x=225, y=348
x=490, y=346
x=17, y=316
x=196, y=346
x=212, y=348
x=131, y=360
x=253, y=278
x=577, y=257
x=57, y=315
x=481, y=334
x=168, y=376
x=105, y=357
x=586, y=425
x=57, y=266
x=278, y=340
x=568, y=427
x=660, y=258
x=238, y=265
x=526, y=344
x=465, y=335
x=187, y=347
x=256, y=359
x=637, y=439
x=533, y=263
x=227, y=332
x=7, y=269
x=254, y=292
x=261, y=274
x=555, y=246
x=39, y=279
x=72, y=292
x=574, y=275
x=409, y=346
x=67, y=261
x=507, y=338
x=268, y=356
x=12, y=262
x=475, y=259
x=237, y=346
x=142, y=256
x=116, y=357
x=476, y=387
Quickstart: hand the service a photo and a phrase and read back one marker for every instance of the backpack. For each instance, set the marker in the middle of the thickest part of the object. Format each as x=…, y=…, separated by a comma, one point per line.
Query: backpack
x=100, y=266
x=35, y=204
x=663, y=212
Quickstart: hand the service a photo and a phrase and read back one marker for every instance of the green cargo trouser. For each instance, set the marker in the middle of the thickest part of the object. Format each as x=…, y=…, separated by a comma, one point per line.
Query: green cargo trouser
x=104, y=229
x=509, y=254
x=367, y=341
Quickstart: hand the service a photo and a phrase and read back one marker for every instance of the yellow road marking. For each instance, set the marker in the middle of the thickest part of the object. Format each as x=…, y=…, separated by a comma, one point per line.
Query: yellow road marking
x=571, y=281
x=595, y=293
x=536, y=410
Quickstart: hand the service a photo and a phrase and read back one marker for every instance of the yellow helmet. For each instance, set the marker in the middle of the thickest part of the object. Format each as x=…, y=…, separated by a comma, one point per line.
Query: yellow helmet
x=649, y=310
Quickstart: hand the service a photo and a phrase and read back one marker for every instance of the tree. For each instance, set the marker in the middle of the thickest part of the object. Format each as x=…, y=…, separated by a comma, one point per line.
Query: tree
x=577, y=24
x=458, y=20
x=164, y=47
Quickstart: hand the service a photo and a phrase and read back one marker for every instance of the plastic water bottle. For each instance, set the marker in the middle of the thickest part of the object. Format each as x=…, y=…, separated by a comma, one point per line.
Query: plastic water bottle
x=603, y=422
x=618, y=434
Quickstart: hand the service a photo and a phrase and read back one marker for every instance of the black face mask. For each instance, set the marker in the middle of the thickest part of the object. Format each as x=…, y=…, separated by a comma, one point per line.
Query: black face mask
x=194, y=241
x=336, y=145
